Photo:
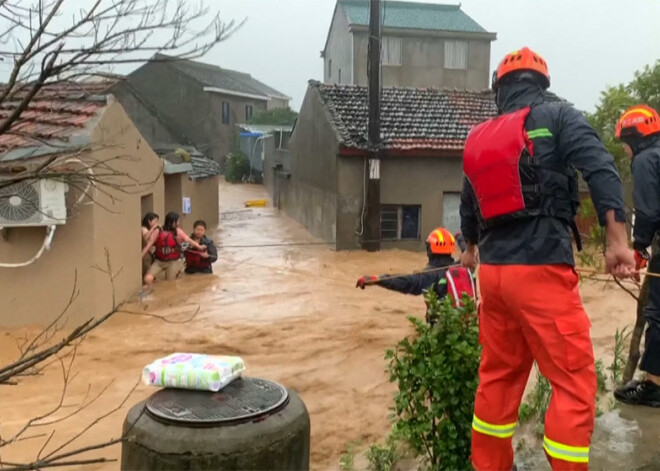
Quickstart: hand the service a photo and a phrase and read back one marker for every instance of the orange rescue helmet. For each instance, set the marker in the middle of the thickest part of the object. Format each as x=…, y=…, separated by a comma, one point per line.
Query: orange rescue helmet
x=441, y=242
x=638, y=121
x=522, y=60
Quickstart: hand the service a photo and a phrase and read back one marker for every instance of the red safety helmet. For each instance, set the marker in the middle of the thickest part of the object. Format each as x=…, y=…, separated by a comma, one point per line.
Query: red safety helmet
x=522, y=60
x=441, y=242
x=636, y=122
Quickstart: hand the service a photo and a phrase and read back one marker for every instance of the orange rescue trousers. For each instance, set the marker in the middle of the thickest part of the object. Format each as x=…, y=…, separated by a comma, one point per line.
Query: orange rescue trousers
x=527, y=313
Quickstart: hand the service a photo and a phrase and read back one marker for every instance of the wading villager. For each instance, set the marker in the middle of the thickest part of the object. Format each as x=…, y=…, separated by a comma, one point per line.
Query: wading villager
x=168, y=255
x=200, y=262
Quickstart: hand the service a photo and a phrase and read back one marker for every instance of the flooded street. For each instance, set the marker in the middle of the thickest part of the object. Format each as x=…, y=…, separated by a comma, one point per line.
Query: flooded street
x=291, y=311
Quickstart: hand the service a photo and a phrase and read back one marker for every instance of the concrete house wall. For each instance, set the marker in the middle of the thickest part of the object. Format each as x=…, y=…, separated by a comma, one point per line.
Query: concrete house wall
x=422, y=63
x=339, y=51
x=184, y=103
x=405, y=180
x=325, y=191
x=40, y=291
x=310, y=195
x=145, y=117
x=203, y=194
x=423, y=60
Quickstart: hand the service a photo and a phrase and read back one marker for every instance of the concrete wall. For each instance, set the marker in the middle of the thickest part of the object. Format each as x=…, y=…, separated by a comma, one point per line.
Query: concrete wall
x=423, y=64
x=38, y=293
x=310, y=196
x=339, y=51
x=350, y=199
x=183, y=102
x=203, y=196
x=146, y=117
x=276, y=103
x=420, y=181
x=404, y=181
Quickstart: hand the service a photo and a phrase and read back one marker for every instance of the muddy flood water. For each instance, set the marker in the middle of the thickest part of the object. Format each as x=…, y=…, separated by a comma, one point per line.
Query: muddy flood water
x=293, y=313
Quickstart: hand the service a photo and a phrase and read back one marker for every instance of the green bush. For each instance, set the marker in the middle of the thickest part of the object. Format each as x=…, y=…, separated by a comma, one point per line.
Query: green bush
x=437, y=377
x=237, y=167
x=384, y=457
x=536, y=403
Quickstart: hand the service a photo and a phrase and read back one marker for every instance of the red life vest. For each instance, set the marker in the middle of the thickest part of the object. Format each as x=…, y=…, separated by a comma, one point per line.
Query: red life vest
x=459, y=282
x=194, y=259
x=167, y=248
x=498, y=161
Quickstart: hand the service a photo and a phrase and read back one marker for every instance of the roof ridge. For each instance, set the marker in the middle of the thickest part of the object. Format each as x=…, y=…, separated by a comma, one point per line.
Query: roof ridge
x=409, y=4
x=483, y=91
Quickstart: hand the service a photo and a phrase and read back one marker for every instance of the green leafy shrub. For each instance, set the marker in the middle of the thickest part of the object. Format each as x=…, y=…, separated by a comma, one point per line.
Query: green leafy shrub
x=384, y=457
x=437, y=376
x=237, y=167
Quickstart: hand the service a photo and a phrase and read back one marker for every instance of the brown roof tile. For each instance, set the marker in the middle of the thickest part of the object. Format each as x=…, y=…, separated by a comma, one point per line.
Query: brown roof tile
x=411, y=119
x=57, y=113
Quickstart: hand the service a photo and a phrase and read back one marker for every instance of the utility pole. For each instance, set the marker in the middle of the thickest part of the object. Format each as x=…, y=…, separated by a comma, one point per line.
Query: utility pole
x=371, y=232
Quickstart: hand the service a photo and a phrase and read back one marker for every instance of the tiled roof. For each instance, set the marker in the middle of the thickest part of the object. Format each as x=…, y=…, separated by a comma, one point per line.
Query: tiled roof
x=57, y=115
x=189, y=160
x=410, y=15
x=411, y=119
x=214, y=76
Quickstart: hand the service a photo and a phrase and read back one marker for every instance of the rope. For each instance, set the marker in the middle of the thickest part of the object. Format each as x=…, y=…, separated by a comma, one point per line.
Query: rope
x=598, y=272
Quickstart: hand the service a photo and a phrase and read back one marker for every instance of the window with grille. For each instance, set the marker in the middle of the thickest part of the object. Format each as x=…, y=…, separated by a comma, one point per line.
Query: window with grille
x=225, y=112
x=400, y=222
x=456, y=54
x=391, y=49
x=248, y=112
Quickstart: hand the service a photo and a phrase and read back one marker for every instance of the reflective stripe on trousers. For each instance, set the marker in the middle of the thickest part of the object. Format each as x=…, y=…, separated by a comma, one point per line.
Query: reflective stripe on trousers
x=499, y=431
x=560, y=451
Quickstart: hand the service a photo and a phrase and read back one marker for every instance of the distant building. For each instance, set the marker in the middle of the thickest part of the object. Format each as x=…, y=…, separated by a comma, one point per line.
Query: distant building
x=421, y=176
x=423, y=45
x=195, y=104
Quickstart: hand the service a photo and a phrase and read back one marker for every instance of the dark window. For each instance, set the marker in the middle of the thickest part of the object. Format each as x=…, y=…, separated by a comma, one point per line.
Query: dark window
x=225, y=112
x=399, y=222
x=248, y=112
x=409, y=222
x=339, y=76
x=329, y=68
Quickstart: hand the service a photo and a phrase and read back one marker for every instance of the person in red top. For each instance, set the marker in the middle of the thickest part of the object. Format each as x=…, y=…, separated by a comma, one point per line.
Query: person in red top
x=518, y=206
x=168, y=241
x=201, y=262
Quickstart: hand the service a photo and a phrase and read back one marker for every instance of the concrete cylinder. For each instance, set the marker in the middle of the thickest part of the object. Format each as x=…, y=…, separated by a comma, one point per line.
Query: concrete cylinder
x=279, y=441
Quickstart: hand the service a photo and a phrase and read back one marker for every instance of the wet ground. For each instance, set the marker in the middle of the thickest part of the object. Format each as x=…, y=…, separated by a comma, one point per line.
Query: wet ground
x=293, y=313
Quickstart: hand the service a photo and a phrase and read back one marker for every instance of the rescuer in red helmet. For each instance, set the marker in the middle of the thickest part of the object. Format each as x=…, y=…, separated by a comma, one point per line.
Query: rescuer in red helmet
x=440, y=273
x=518, y=205
x=639, y=130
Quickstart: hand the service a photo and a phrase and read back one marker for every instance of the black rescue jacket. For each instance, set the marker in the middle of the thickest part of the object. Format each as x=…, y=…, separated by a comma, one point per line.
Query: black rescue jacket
x=562, y=139
x=417, y=283
x=646, y=175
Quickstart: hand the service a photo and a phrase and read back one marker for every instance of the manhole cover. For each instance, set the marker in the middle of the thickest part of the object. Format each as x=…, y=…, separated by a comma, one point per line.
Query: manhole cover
x=242, y=400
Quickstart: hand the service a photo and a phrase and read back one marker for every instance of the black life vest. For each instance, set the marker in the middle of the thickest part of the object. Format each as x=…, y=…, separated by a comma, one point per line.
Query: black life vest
x=508, y=184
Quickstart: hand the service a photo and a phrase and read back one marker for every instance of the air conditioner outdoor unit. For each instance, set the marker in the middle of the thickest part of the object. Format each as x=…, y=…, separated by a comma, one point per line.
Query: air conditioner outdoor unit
x=40, y=203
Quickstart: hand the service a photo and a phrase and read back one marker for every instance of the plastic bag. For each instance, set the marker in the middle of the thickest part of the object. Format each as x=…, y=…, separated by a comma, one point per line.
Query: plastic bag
x=193, y=371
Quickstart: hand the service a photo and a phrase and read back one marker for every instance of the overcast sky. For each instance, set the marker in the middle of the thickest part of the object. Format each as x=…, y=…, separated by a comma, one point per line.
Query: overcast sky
x=588, y=44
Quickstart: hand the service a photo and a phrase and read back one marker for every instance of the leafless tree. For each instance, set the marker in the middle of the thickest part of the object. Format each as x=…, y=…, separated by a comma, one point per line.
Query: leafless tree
x=51, y=41
x=42, y=351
